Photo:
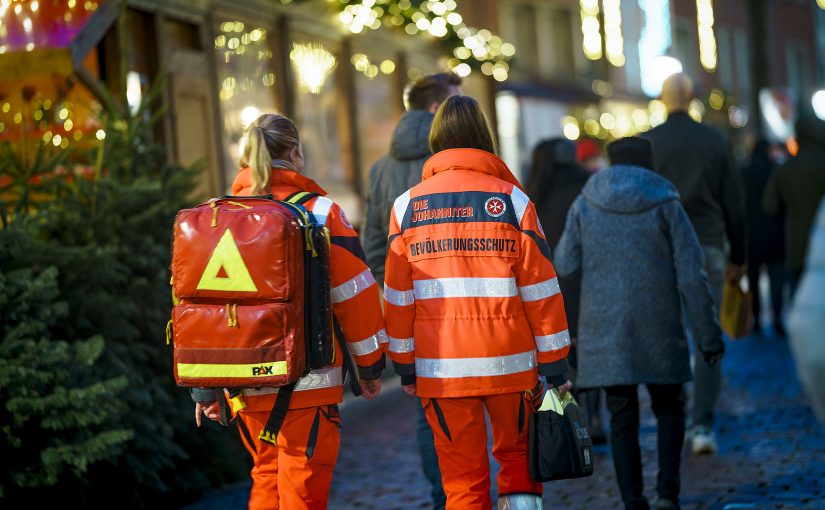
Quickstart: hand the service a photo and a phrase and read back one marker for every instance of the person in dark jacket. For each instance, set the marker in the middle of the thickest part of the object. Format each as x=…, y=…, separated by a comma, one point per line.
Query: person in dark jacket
x=556, y=179
x=697, y=159
x=766, y=236
x=641, y=267
x=796, y=189
x=391, y=176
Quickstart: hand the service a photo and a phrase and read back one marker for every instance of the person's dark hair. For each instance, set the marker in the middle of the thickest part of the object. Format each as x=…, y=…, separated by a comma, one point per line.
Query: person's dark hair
x=460, y=123
x=433, y=88
x=548, y=155
x=632, y=150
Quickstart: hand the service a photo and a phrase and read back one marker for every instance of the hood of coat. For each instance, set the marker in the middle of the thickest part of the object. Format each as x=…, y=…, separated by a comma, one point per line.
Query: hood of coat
x=475, y=160
x=281, y=178
x=628, y=189
x=411, y=138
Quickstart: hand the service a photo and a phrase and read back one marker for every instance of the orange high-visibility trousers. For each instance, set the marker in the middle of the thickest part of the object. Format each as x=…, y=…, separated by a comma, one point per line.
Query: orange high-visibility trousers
x=460, y=433
x=297, y=473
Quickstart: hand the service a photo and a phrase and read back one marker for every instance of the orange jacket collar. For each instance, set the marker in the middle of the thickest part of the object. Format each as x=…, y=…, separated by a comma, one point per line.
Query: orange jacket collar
x=469, y=159
x=280, y=177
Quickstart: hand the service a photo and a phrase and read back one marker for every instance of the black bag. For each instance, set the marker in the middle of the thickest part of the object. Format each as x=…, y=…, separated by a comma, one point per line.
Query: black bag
x=560, y=446
x=320, y=346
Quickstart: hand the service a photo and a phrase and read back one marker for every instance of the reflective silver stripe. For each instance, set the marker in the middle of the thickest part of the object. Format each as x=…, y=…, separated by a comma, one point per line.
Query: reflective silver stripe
x=398, y=297
x=369, y=345
x=402, y=344
x=540, y=290
x=553, y=342
x=400, y=207
x=320, y=209
x=352, y=288
x=520, y=202
x=324, y=378
x=475, y=367
x=465, y=287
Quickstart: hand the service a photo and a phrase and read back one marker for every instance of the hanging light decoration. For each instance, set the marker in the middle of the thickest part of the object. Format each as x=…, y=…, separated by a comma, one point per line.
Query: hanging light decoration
x=707, y=38
x=613, y=40
x=470, y=48
x=591, y=29
x=313, y=64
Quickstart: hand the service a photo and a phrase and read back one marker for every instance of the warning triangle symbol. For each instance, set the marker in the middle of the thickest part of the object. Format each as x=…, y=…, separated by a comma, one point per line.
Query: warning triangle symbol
x=226, y=270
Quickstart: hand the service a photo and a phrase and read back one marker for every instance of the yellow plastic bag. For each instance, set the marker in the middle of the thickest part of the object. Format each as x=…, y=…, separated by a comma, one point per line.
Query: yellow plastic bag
x=736, y=314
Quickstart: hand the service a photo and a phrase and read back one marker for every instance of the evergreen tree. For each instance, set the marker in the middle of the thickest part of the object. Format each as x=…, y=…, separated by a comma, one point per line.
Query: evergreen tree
x=100, y=246
x=58, y=417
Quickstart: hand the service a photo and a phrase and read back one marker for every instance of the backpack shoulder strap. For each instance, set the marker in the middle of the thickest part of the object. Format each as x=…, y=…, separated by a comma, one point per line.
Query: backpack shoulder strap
x=301, y=197
x=269, y=433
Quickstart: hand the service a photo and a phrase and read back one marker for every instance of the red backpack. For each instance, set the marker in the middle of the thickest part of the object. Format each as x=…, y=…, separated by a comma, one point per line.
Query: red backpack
x=251, y=287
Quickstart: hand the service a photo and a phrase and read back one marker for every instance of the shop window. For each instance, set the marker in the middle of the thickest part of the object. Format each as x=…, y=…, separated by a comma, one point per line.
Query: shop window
x=317, y=110
x=563, y=22
x=181, y=35
x=725, y=67
x=246, y=81
x=377, y=112
x=798, y=65
x=685, y=44
x=742, y=60
x=40, y=98
x=526, y=38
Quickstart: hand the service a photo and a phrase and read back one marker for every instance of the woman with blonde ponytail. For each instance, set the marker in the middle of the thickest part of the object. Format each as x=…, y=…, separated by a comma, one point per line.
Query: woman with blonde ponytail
x=296, y=472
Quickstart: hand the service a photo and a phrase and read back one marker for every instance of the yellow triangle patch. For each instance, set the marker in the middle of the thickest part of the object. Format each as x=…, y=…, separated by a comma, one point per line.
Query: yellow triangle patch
x=226, y=270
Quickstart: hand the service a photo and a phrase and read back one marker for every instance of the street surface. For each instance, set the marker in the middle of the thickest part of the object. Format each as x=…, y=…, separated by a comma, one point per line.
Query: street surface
x=772, y=450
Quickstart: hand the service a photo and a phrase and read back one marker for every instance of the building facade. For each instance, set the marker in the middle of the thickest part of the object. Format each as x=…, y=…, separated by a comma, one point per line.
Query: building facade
x=582, y=68
x=225, y=63
x=593, y=68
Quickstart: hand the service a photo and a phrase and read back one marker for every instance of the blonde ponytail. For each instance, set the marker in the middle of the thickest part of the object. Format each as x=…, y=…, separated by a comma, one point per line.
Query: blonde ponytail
x=268, y=139
x=258, y=161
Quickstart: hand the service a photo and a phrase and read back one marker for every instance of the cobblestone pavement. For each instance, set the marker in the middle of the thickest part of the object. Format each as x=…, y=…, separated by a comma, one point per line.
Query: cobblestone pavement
x=772, y=450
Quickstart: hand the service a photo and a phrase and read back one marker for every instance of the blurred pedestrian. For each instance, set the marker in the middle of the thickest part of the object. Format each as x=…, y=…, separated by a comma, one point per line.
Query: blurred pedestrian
x=796, y=189
x=391, y=176
x=697, y=159
x=766, y=235
x=641, y=264
x=294, y=469
x=473, y=309
x=556, y=179
x=807, y=320
x=589, y=155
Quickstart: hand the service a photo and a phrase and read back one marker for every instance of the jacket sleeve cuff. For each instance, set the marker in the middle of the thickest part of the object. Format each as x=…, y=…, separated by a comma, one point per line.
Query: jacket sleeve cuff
x=556, y=368
x=557, y=380
x=203, y=395
x=407, y=379
x=373, y=371
x=403, y=369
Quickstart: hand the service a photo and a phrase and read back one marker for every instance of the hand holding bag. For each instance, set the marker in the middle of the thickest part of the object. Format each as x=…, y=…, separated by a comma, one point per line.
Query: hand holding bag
x=559, y=442
x=735, y=315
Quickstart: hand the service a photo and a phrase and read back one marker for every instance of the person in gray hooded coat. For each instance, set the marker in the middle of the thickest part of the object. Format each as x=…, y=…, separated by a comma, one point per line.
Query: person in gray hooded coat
x=400, y=170
x=640, y=262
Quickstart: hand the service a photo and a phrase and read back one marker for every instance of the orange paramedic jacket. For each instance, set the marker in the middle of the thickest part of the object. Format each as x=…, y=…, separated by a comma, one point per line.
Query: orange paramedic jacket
x=472, y=304
x=355, y=299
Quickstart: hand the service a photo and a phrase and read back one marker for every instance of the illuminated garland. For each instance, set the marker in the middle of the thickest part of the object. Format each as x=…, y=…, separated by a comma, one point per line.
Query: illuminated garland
x=470, y=48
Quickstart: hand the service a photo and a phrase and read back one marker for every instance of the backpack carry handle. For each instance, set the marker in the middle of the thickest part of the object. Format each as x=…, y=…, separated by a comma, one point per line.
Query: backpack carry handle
x=268, y=196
